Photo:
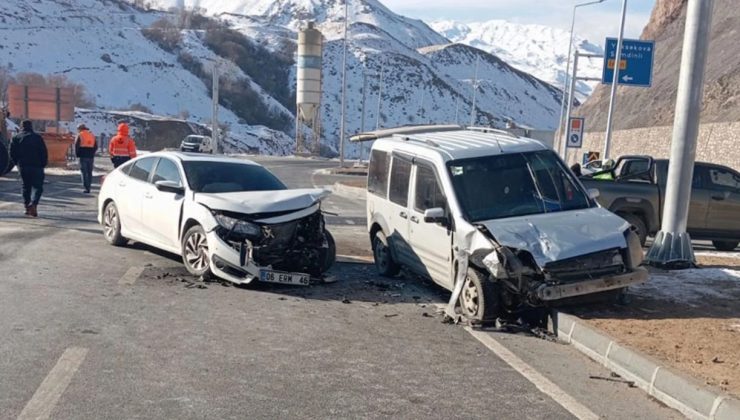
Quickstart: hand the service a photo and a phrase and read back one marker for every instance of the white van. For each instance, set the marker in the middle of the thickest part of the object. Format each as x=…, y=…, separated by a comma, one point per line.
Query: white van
x=498, y=219
x=197, y=144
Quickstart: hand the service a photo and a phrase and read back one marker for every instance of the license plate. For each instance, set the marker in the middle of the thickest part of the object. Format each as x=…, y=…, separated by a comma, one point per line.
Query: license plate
x=271, y=276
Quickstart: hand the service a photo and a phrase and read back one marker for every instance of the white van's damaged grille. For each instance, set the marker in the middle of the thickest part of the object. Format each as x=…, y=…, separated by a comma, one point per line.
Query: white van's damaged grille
x=586, y=267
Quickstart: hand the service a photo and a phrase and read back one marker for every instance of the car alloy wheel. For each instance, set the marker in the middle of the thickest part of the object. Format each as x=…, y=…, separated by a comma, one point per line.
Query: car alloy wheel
x=112, y=225
x=196, y=251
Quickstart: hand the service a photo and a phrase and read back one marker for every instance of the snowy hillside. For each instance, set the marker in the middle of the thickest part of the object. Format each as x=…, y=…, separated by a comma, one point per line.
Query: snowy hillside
x=420, y=84
x=99, y=44
x=535, y=49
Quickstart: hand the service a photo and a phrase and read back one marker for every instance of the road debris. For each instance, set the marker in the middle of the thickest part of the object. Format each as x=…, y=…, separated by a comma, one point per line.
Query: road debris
x=717, y=360
x=390, y=315
x=347, y=301
x=617, y=379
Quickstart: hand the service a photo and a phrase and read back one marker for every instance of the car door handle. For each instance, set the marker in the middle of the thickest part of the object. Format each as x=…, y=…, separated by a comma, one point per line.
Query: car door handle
x=414, y=219
x=121, y=184
x=148, y=195
x=718, y=197
x=404, y=215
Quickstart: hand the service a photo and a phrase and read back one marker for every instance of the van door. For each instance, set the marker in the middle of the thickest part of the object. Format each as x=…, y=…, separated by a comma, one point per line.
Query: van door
x=431, y=242
x=398, y=210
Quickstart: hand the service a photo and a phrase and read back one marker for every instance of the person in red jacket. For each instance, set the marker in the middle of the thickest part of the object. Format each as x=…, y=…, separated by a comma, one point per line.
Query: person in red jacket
x=122, y=147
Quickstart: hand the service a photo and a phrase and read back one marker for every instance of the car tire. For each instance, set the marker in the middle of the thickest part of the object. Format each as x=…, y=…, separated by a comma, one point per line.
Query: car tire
x=725, y=245
x=112, y=225
x=195, y=252
x=383, y=257
x=479, y=298
x=639, y=225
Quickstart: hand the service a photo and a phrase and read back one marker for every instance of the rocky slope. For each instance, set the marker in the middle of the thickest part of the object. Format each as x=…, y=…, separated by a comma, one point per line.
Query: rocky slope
x=654, y=106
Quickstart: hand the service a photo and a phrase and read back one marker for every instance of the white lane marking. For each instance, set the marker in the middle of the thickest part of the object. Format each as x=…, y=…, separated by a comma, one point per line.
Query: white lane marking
x=42, y=403
x=536, y=378
x=132, y=274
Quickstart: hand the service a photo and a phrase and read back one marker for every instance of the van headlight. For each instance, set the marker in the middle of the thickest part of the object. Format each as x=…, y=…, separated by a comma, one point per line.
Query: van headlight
x=634, y=248
x=237, y=226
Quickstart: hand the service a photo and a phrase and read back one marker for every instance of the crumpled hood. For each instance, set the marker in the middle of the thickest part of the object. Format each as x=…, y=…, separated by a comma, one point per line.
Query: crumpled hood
x=254, y=202
x=562, y=235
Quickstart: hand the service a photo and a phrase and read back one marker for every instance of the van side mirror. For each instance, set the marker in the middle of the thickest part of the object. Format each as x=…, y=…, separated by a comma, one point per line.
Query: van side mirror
x=170, y=187
x=435, y=215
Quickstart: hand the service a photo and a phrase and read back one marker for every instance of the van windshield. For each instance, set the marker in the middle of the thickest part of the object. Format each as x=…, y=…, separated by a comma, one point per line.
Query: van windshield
x=193, y=140
x=519, y=184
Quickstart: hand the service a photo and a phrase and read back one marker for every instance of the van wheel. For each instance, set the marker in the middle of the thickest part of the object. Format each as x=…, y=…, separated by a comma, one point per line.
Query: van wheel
x=725, y=245
x=383, y=257
x=639, y=225
x=479, y=297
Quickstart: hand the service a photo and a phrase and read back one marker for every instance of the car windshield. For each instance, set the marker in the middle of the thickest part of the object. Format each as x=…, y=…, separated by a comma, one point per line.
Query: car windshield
x=226, y=177
x=494, y=187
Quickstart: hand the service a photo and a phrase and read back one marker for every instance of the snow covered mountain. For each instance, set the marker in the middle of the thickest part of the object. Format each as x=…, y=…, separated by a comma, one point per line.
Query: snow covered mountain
x=425, y=78
x=535, y=49
x=99, y=44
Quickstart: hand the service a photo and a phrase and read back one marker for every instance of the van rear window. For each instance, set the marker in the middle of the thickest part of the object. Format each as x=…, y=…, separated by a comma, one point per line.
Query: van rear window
x=377, y=177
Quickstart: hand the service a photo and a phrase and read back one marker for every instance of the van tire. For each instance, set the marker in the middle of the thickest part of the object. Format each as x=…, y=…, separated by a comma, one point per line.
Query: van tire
x=639, y=225
x=725, y=245
x=479, y=298
x=383, y=257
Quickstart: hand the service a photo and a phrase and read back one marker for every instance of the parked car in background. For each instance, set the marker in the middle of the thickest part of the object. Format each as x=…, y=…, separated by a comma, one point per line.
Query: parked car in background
x=637, y=194
x=197, y=144
x=591, y=167
x=226, y=217
x=496, y=218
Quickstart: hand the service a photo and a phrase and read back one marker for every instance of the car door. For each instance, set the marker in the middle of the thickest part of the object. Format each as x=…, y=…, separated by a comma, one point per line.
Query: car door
x=130, y=195
x=398, y=209
x=161, y=209
x=430, y=242
x=724, y=203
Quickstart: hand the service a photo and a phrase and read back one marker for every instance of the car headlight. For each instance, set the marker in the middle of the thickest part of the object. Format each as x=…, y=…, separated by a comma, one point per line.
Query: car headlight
x=237, y=226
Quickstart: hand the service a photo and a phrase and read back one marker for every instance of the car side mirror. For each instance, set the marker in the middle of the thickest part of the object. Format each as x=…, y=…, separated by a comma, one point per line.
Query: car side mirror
x=593, y=193
x=435, y=215
x=170, y=187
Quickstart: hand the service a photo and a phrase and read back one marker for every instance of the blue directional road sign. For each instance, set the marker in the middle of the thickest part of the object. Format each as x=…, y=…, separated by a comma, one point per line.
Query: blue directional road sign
x=636, y=65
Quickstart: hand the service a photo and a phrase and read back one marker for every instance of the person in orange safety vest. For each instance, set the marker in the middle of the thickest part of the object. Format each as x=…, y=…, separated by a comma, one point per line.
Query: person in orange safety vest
x=85, y=148
x=122, y=147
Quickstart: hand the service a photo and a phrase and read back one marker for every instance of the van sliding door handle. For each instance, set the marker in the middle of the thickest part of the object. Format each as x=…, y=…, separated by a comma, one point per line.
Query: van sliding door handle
x=414, y=219
x=404, y=215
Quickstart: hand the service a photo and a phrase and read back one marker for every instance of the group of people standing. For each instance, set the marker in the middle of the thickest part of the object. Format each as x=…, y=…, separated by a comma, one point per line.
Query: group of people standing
x=28, y=152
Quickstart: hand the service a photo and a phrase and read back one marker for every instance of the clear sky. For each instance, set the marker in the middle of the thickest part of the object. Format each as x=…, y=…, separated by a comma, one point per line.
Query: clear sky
x=594, y=22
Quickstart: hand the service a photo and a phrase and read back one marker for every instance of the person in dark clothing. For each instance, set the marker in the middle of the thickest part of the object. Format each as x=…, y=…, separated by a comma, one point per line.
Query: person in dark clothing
x=85, y=148
x=576, y=169
x=28, y=152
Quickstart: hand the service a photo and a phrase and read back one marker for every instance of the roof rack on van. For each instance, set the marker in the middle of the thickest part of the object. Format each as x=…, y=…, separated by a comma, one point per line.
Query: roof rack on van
x=492, y=130
x=411, y=129
x=412, y=138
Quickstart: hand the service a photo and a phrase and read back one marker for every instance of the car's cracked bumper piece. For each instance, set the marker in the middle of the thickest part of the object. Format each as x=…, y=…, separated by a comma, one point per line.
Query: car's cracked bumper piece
x=557, y=292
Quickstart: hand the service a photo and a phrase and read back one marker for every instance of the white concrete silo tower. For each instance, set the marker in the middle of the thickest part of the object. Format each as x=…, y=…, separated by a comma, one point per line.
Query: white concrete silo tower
x=309, y=89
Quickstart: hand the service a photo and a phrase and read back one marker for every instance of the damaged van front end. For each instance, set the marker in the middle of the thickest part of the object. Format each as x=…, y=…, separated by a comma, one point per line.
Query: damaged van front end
x=556, y=258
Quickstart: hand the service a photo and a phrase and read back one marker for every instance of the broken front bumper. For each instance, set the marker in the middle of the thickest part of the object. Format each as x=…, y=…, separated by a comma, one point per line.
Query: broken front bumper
x=226, y=264
x=556, y=292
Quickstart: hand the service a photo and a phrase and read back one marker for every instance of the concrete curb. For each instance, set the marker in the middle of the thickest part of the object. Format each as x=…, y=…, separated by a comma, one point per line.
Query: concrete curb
x=353, y=193
x=677, y=391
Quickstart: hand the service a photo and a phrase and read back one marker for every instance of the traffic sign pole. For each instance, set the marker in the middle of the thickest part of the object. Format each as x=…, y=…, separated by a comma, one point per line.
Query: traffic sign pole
x=672, y=246
x=615, y=83
x=569, y=109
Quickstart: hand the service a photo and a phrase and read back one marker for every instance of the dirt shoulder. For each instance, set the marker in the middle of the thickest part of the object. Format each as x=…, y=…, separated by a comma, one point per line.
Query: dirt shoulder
x=688, y=319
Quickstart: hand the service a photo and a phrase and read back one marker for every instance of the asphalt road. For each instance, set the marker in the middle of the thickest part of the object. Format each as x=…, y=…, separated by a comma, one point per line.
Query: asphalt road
x=90, y=331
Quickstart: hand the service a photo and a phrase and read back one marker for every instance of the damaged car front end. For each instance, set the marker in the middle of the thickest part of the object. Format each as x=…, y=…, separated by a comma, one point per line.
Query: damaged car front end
x=284, y=240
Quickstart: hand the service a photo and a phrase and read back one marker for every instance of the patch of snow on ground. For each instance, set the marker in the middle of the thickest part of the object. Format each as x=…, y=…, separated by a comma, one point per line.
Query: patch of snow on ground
x=692, y=285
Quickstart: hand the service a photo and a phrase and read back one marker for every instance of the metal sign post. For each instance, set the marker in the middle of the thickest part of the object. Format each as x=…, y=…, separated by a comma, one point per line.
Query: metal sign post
x=571, y=92
x=672, y=246
x=615, y=80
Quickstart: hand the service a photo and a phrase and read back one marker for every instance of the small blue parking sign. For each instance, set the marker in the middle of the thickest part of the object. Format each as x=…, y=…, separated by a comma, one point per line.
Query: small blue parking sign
x=635, y=65
x=575, y=132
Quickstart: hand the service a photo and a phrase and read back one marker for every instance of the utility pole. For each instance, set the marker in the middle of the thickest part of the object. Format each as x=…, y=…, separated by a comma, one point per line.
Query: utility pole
x=475, y=90
x=344, y=87
x=672, y=246
x=615, y=84
x=571, y=92
x=362, y=120
x=457, y=109
x=380, y=95
x=214, y=112
x=421, y=104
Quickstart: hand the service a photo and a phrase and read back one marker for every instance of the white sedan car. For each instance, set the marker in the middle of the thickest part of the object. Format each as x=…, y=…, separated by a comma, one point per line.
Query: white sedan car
x=226, y=217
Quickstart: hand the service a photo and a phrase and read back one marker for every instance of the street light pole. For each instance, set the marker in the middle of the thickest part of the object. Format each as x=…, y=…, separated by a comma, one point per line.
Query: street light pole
x=380, y=95
x=344, y=87
x=567, y=70
x=672, y=246
x=615, y=83
x=475, y=90
x=214, y=110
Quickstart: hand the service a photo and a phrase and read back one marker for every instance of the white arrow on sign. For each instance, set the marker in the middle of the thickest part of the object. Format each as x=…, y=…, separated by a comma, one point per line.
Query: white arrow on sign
x=627, y=78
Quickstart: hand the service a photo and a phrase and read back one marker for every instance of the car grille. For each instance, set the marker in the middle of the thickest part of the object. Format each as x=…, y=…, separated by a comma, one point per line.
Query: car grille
x=278, y=241
x=585, y=267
